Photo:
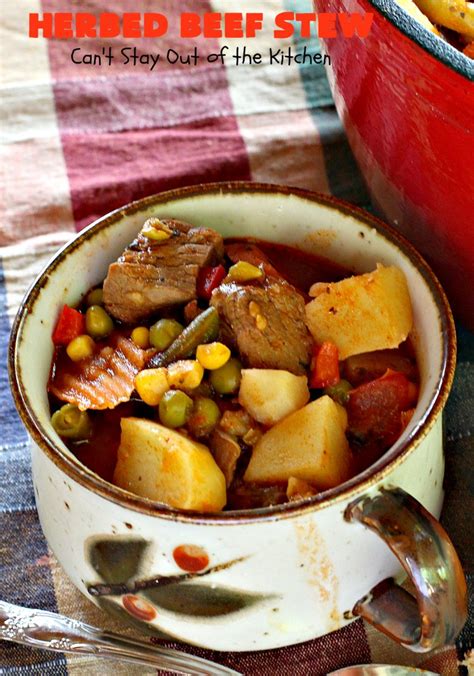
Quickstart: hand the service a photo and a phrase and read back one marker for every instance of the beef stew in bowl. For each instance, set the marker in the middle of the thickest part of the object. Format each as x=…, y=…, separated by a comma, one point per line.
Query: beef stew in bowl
x=209, y=373
x=325, y=552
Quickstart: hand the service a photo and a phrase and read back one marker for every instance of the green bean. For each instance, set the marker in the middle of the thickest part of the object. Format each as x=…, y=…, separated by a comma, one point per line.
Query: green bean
x=164, y=332
x=339, y=392
x=175, y=408
x=98, y=323
x=71, y=423
x=226, y=379
x=204, y=417
x=203, y=329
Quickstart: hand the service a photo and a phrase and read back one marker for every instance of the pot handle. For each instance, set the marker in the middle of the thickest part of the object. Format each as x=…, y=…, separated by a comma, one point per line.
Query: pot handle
x=437, y=614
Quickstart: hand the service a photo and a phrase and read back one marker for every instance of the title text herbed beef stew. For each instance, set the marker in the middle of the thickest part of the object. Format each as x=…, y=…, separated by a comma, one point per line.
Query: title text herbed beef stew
x=207, y=374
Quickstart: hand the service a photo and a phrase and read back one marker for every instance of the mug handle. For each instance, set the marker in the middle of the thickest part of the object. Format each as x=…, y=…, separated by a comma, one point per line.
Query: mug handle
x=437, y=614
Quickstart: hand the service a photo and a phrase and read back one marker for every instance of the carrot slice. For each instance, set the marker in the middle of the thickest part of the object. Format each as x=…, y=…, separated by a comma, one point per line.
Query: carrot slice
x=325, y=367
x=101, y=381
x=71, y=323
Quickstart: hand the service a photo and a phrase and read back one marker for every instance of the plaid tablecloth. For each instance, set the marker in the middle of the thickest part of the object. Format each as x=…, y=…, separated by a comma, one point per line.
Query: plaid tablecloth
x=80, y=141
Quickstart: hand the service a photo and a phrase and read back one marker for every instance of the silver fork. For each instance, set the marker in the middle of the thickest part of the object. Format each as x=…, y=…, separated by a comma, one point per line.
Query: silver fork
x=51, y=631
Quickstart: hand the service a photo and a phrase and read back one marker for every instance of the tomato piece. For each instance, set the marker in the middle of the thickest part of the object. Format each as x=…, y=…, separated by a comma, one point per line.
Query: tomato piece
x=209, y=279
x=71, y=323
x=325, y=366
x=375, y=408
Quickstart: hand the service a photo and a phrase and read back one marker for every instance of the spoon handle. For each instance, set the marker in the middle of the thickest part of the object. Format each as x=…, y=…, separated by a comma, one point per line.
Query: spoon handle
x=50, y=631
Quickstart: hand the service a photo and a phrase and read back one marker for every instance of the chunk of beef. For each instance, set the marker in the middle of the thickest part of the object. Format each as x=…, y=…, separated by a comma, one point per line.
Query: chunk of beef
x=266, y=324
x=152, y=275
x=252, y=496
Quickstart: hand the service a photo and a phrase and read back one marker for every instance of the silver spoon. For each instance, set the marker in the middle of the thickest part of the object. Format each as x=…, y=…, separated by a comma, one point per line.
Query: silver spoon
x=50, y=631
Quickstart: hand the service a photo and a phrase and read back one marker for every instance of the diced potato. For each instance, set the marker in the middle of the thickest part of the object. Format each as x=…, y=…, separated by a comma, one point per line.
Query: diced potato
x=309, y=444
x=299, y=488
x=163, y=465
x=270, y=395
x=362, y=313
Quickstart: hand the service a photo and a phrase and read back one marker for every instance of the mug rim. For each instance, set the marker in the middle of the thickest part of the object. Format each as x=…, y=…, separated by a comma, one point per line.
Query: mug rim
x=346, y=491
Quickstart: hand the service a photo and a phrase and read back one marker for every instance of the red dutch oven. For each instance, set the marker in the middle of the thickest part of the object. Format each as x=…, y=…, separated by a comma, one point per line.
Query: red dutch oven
x=406, y=99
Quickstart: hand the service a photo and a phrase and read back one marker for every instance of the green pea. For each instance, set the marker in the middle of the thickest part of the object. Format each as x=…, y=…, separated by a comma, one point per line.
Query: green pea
x=98, y=323
x=164, y=332
x=175, y=408
x=226, y=379
x=339, y=392
x=95, y=297
x=71, y=423
x=204, y=418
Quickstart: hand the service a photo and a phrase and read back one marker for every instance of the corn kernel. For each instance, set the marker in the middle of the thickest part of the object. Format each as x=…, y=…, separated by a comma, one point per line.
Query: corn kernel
x=254, y=308
x=156, y=230
x=80, y=348
x=185, y=374
x=261, y=322
x=151, y=384
x=243, y=272
x=141, y=337
x=213, y=355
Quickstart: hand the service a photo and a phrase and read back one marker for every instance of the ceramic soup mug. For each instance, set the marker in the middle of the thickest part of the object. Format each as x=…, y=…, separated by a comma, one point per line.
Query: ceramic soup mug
x=256, y=579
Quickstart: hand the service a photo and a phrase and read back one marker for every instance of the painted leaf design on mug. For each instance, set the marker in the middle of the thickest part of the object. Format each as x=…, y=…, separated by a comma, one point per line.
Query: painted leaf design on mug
x=119, y=561
x=116, y=559
x=200, y=600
